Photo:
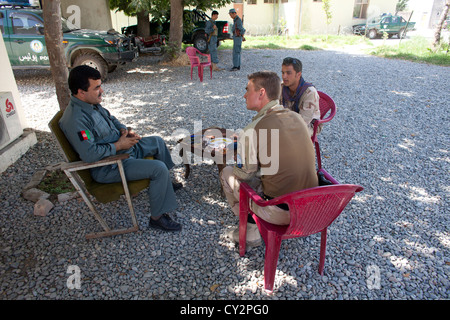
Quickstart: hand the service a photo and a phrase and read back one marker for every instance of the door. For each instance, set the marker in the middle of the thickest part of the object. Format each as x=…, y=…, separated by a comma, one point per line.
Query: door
x=395, y=24
x=26, y=41
x=386, y=24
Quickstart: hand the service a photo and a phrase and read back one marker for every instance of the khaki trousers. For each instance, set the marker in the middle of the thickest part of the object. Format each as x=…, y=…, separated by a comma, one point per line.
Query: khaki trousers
x=231, y=184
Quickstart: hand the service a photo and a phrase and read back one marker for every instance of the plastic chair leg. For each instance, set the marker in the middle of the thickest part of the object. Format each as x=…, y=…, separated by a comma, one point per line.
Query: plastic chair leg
x=319, y=158
x=200, y=73
x=191, y=71
x=243, y=218
x=323, y=250
x=273, y=246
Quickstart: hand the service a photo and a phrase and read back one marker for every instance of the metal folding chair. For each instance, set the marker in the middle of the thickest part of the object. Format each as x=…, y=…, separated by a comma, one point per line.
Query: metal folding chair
x=79, y=175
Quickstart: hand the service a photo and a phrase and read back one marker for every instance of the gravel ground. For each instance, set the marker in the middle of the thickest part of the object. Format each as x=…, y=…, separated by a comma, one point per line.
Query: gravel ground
x=390, y=135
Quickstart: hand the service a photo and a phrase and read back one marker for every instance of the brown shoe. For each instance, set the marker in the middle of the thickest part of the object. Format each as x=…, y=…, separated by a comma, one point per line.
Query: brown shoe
x=216, y=68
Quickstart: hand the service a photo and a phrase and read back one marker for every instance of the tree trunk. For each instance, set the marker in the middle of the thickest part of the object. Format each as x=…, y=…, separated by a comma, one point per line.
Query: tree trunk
x=143, y=24
x=437, y=33
x=55, y=48
x=176, y=26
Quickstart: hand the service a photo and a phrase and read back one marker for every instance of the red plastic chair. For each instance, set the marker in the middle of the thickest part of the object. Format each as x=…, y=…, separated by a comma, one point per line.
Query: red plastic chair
x=326, y=104
x=311, y=210
x=195, y=61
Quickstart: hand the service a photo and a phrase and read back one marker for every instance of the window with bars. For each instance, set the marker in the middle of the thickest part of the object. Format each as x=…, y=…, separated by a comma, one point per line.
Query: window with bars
x=251, y=1
x=360, y=9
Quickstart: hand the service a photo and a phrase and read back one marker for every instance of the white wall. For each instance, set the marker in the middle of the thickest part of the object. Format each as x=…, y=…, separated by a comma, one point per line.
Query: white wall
x=84, y=14
x=8, y=82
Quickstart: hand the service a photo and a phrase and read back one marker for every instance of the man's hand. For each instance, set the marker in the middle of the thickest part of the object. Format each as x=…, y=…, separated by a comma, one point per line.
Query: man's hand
x=131, y=133
x=127, y=139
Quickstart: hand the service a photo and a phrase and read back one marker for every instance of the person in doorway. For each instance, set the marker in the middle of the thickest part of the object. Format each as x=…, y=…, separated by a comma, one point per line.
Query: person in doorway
x=95, y=134
x=280, y=133
x=299, y=95
x=238, y=36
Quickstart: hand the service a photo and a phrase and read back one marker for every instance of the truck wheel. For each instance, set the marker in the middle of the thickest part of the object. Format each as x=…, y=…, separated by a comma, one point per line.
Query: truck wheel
x=93, y=60
x=200, y=43
x=401, y=34
x=372, y=34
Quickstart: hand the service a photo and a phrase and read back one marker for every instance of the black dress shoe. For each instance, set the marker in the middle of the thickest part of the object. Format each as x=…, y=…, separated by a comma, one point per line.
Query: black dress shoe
x=177, y=186
x=235, y=69
x=164, y=223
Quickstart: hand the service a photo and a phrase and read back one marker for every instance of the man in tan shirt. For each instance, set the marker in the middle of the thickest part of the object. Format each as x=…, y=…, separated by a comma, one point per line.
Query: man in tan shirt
x=299, y=95
x=275, y=155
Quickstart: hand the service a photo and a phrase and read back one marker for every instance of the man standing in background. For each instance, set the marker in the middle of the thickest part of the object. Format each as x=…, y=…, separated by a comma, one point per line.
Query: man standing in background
x=211, y=31
x=238, y=34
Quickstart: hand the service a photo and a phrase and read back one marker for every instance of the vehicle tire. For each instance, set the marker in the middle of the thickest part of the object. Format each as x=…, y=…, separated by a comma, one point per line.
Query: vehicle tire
x=372, y=34
x=401, y=34
x=93, y=60
x=200, y=43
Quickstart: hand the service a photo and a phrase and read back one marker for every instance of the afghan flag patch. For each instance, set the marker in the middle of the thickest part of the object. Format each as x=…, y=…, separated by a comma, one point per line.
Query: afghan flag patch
x=84, y=135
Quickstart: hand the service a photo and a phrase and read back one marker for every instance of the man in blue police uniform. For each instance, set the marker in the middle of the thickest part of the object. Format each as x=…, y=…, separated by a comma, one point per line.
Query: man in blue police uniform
x=95, y=134
x=212, y=32
x=238, y=35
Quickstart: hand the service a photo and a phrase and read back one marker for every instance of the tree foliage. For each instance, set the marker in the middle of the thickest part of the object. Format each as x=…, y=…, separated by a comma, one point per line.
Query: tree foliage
x=164, y=9
x=158, y=8
x=401, y=5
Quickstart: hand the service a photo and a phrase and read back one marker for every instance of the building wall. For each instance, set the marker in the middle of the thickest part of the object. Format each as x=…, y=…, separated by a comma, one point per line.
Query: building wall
x=8, y=82
x=314, y=19
x=84, y=14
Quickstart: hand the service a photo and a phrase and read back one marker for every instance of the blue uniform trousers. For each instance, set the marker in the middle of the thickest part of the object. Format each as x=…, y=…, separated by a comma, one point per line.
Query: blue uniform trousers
x=237, y=43
x=160, y=192
x=213, y=49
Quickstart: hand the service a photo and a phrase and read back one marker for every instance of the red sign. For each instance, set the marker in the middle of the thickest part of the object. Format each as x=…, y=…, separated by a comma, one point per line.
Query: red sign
x=9, y=106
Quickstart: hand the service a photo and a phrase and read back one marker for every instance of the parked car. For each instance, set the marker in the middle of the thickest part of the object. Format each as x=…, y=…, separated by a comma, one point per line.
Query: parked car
x=392, y=25
x=23, y=32
x=194, y=29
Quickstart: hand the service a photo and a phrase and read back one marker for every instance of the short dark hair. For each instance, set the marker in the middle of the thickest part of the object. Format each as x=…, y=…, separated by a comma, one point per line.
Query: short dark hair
x=268, y=80
x=79, y=78
x=294, y=62
x=214, y=12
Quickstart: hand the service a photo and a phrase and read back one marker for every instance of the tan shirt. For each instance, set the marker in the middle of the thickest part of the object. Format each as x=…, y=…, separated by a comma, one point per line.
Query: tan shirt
x=276, y=147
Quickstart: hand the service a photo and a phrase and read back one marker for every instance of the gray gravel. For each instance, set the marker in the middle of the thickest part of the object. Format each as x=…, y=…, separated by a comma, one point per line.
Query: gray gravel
x=390, y=135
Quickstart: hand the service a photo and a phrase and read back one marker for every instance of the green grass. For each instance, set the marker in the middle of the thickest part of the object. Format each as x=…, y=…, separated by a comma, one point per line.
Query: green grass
x=56, y=182
x=415, y=49
x=303, y=42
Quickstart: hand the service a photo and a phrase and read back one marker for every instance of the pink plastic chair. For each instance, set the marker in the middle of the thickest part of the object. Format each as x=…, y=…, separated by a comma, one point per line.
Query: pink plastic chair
x=326, y=104
x=311, y=210
x=195, y=61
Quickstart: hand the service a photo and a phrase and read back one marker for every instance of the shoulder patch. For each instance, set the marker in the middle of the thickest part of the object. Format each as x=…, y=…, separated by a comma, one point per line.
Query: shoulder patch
x=84, y=135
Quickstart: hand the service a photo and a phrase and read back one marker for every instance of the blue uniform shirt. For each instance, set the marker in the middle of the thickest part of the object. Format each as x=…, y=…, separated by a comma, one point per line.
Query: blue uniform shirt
x=91, y=130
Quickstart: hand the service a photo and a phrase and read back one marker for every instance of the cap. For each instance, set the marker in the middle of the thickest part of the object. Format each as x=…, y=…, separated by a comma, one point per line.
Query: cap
x=232, y=11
